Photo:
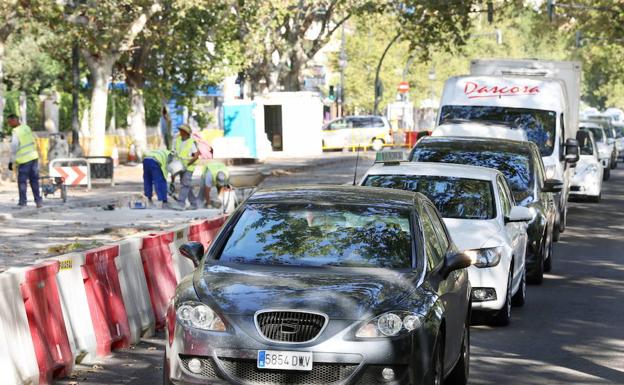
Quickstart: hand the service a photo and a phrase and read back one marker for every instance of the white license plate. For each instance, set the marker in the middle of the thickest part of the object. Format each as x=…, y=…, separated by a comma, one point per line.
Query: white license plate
x=271, y=359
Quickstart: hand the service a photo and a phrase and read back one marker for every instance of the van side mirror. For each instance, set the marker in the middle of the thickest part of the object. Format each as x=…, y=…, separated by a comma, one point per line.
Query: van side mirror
x=571, y=151
x=552, y=186
x=193, y=251
x=454, y=261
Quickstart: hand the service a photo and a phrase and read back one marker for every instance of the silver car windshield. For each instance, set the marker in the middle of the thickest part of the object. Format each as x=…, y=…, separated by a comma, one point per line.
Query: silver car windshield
x=321, y=235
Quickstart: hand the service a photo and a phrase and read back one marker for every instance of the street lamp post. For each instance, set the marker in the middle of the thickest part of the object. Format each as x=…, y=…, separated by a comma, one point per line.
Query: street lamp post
x=377, y=82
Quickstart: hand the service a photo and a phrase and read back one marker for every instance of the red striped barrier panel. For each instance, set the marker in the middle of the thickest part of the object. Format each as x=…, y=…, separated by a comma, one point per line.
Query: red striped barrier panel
x=45, y=320
x=206, y=231
x=106, y=305
x=159, y=273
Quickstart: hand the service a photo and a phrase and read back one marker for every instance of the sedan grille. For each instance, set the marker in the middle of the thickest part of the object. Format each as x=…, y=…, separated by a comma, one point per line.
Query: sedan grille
x=246, y=371
x=290, y=326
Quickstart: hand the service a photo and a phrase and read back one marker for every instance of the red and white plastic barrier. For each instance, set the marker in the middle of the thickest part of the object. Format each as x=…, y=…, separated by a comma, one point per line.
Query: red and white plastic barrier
x=75, y=307
x=159, y=273
x=18, y=361
x=45, y=320
x=134, y=289
x=106, y=305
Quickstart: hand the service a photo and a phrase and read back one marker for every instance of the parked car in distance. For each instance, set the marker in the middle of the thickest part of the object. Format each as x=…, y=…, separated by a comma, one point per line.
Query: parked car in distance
x=522, y=166
x=323, y=285
x=479, y=211
x=606, y=122
x=587, y=181
x=605, y=151
x=619, y=137
x=357, y=131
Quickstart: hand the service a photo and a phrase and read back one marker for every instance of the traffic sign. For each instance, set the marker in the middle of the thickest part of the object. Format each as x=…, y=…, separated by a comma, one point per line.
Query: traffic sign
x=403, y=87
x=72, y=175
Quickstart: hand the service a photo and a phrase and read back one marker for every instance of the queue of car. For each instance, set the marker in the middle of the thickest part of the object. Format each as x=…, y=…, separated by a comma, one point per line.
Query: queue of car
x=377, y=283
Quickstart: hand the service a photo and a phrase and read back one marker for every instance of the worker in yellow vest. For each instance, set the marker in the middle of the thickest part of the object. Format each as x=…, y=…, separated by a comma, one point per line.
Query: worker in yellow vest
x=186, y=150
x=25, y=156
x=214, y=174
x=155, y=174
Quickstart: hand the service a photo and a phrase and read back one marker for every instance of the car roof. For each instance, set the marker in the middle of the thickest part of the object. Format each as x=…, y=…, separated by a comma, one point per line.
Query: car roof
x=478, y=129
x=436, y=169
x=496, y=144
x=347, y=195
x=585, y=124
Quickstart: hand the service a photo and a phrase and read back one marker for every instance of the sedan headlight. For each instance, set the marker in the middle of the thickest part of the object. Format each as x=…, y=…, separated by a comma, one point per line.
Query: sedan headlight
x=489, y=257
x=589, y=169
x=390, y=324
x=199, y=316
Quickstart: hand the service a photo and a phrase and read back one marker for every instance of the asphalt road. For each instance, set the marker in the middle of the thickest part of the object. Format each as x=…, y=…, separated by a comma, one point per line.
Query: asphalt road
x=569, y=332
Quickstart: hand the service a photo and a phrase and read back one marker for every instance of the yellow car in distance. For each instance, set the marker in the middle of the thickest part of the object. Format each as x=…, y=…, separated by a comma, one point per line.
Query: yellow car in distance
x=357, y=131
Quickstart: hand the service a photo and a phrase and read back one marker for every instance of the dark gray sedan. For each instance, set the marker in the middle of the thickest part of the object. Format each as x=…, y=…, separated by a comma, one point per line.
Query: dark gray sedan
x=323, y=286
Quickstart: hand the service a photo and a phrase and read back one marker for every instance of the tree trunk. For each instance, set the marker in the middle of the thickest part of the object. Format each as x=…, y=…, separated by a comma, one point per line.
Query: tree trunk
x=290, y=79
x=100, y=70
x=76, y=150
x=137, y=128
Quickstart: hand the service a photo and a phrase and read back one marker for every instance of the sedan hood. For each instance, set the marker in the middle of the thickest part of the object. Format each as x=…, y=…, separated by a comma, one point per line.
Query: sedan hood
x=351, y=294
x=470, y=234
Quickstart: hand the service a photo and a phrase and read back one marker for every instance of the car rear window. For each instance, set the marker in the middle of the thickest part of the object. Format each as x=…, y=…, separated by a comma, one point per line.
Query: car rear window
x=453, y=197
x=321, y=235
x=515, y=166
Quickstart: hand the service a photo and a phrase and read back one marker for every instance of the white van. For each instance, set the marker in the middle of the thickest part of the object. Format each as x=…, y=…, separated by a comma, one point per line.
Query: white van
x=537, y=106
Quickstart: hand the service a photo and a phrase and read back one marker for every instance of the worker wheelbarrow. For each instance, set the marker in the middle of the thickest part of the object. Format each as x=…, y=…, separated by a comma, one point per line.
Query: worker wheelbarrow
x=245, y=183
x=51, y=184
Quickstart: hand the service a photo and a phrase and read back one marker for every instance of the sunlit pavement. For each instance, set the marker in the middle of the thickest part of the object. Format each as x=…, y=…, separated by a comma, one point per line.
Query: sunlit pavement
x=569, y=332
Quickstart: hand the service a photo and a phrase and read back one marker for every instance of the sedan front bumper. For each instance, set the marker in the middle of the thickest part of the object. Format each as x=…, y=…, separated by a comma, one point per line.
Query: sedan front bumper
x=496, y=278
x=231, y=357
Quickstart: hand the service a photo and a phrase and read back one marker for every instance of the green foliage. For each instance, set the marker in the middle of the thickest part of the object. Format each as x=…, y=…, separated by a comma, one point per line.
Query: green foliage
x=601, y=24
x=118, y=106
x=153, y=107
x=525, y=33
x=28, y=65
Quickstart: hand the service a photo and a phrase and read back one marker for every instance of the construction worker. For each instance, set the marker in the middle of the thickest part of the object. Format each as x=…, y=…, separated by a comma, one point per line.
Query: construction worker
x=155, y=175
x=186, y=150
x=25, y=156
x=214, y=174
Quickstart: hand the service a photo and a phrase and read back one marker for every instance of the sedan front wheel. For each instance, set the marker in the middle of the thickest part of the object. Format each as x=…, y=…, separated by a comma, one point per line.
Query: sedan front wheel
x=461, y=371
x=503, y=316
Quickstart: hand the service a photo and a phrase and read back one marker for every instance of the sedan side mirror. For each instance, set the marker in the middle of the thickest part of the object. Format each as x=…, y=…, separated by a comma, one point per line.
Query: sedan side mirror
x=571, y=151
x=454, y=261
x=552, y=186
x=193, y=251
x=519, y=214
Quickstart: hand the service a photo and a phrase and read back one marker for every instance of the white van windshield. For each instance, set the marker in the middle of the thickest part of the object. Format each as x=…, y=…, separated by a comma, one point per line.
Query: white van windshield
x=539, y=125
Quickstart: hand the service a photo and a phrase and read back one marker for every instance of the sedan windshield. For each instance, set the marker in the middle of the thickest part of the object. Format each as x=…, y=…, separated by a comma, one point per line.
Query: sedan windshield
x=321, y=235
x=516, y=167
x=539, y=125
x=453, y=197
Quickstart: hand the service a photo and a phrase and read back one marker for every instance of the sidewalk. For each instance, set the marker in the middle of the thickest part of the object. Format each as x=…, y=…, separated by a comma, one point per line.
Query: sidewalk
x=30, y=233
